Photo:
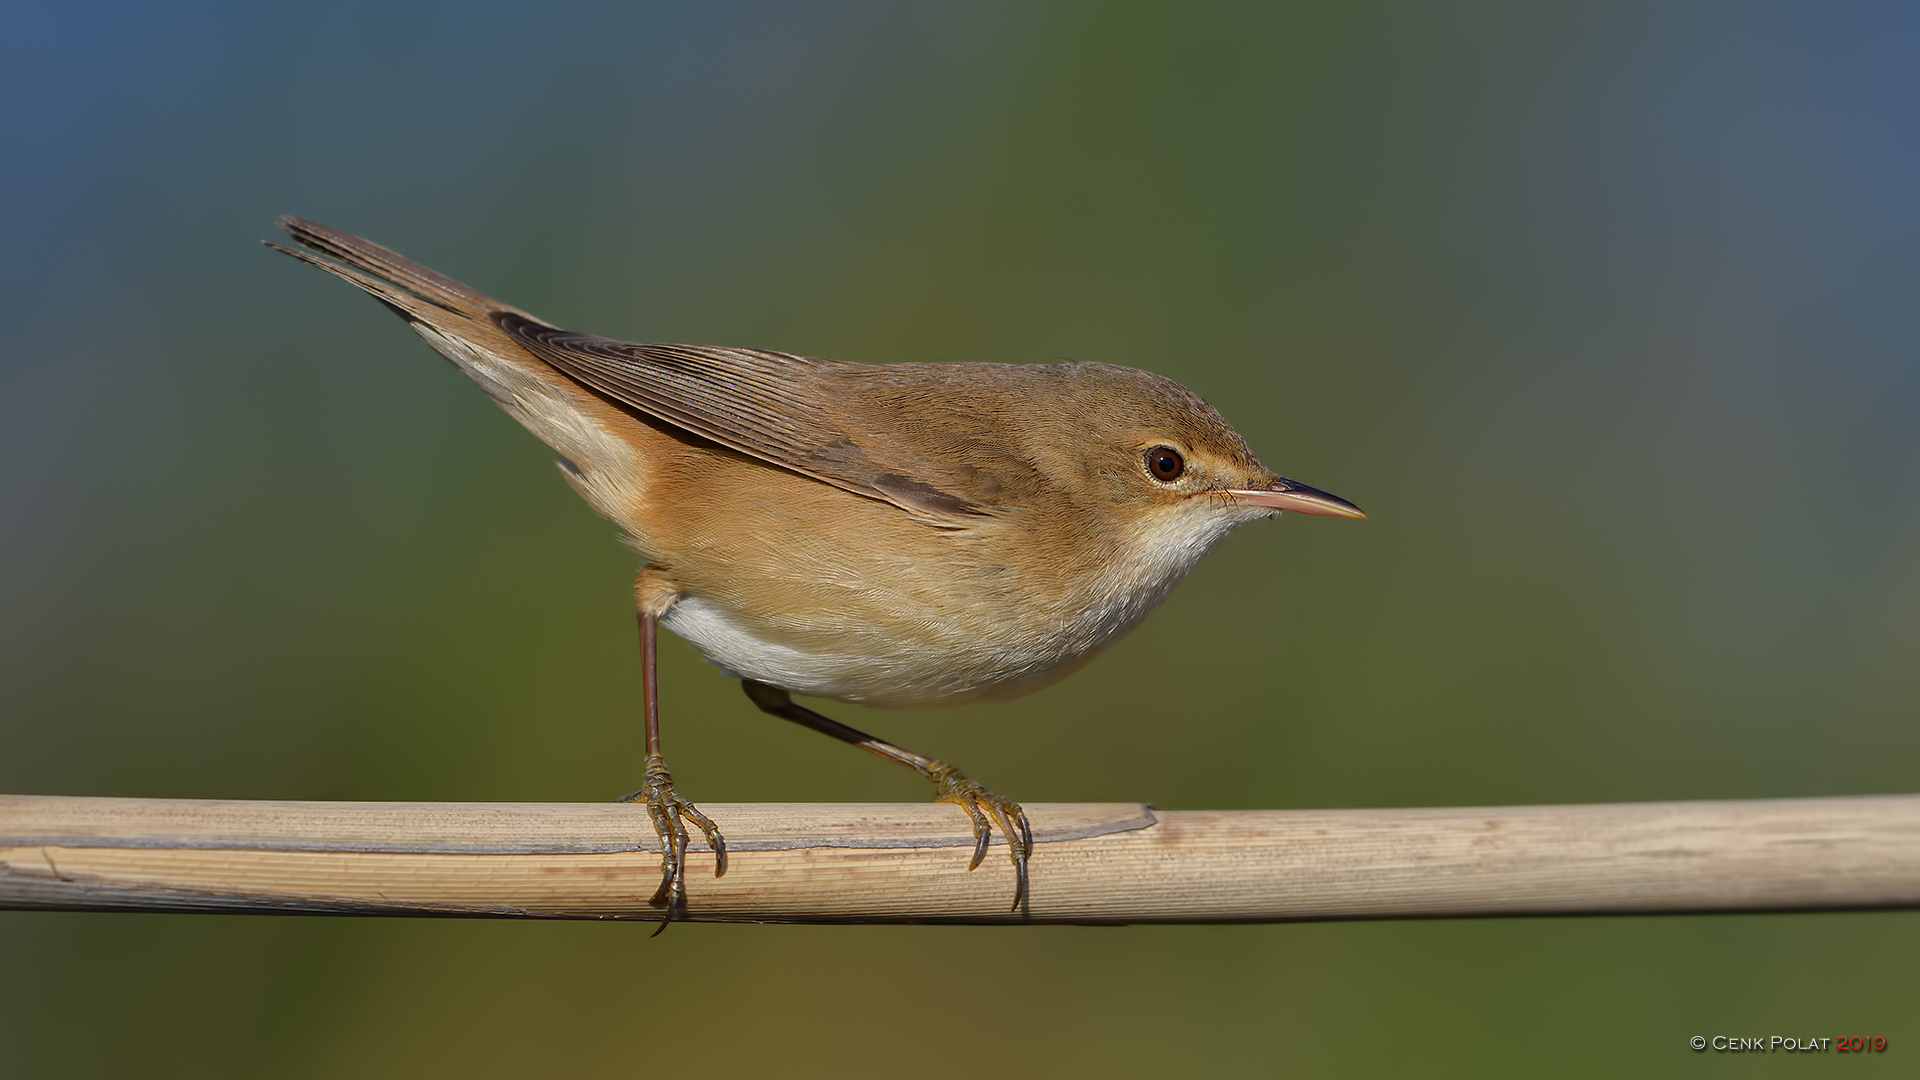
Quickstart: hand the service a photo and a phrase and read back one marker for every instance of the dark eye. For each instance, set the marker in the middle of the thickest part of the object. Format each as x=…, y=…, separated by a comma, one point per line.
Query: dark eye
x=1166, y=464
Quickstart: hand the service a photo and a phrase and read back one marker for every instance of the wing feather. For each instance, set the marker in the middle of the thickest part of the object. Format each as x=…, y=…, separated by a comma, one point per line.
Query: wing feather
x=765, y=404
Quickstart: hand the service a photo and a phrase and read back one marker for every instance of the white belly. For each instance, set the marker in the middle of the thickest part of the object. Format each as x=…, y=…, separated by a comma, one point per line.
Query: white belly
x=875, y=673
x=727, y=643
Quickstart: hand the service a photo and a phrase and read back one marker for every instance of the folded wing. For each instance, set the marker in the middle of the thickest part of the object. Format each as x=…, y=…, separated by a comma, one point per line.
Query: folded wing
x=765, y=404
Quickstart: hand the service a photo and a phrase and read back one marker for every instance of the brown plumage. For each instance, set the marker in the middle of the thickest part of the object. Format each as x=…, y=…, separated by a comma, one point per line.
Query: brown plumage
x=901, y=534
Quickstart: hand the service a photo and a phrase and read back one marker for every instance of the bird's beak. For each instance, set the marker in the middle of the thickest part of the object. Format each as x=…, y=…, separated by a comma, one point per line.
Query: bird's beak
x=1284, y=494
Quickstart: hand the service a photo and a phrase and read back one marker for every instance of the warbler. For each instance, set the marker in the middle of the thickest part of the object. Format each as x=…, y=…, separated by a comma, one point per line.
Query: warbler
x=888, y=534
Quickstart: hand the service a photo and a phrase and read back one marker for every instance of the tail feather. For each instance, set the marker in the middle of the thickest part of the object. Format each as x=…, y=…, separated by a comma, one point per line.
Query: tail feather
x=414, y=291
x=600, y=445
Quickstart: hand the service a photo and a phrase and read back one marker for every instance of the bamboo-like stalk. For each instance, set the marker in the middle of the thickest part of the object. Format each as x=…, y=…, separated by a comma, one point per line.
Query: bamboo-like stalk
x=1095, y=863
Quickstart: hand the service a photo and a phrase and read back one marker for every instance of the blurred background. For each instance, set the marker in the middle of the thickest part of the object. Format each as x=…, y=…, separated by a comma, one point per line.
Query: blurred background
x=1606, y=313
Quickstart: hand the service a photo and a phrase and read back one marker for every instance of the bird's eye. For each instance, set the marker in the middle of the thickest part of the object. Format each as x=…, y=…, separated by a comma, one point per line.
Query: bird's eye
x=1166, y=464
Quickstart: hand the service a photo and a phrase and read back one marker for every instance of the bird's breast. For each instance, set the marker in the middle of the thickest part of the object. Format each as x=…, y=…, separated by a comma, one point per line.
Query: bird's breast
x=945, y=619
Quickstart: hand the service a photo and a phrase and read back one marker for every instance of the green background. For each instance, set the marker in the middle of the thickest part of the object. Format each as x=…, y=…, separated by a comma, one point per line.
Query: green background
x=1606, y=313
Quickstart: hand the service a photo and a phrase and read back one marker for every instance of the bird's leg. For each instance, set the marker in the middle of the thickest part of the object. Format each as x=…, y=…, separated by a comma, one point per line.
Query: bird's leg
x=664, y=805
x=950, y=784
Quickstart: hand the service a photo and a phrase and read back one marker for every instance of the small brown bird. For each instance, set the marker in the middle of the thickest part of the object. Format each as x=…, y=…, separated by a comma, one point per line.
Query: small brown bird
x=889, y=534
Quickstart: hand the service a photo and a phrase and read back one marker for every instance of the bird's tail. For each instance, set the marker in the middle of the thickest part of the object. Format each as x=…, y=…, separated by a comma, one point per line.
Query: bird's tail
x=414, y=291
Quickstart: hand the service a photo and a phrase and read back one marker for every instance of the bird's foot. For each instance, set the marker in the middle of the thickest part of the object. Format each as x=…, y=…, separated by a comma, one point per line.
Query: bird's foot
x=951, y=785
x=670, y=813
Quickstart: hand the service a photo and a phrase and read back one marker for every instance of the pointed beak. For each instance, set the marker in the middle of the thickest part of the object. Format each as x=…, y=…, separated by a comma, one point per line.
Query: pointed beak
x=1284, y=494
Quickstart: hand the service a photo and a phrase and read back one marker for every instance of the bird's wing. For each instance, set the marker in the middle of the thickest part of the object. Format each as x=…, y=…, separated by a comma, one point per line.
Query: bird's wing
x=765, y=404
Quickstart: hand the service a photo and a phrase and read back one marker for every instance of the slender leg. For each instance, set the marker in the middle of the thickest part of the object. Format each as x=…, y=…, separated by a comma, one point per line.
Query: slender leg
x=664, y=806
x=950, y=784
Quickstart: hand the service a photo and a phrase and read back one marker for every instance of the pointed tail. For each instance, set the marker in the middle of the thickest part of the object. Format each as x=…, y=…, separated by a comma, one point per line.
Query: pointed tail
x=411, y=289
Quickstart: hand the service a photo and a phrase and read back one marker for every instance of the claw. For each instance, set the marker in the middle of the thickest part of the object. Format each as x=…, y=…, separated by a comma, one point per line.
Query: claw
x=714, y=840
x=1020, y=847
x=982, y=835
x=669, y=813
x=951, y=785
x=982, y=831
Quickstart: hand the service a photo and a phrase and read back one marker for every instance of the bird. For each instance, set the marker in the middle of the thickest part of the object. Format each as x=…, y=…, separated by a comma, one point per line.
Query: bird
x=901, y=534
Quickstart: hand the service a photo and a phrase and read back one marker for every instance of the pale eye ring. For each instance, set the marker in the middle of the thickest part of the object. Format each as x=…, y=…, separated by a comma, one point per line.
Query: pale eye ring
x=1165, y=464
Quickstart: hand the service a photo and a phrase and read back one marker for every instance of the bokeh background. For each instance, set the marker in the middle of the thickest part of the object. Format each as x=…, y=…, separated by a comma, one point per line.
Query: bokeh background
x=1607, y=313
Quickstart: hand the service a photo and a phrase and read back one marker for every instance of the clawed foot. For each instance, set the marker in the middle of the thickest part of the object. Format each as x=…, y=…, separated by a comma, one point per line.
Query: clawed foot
x=951, y=785
x=670, y=813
